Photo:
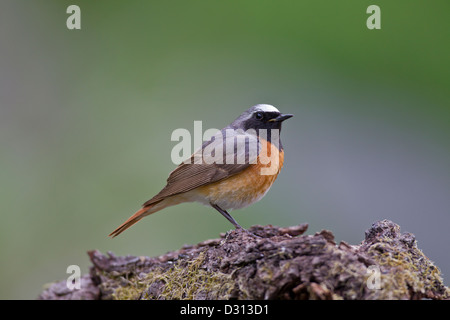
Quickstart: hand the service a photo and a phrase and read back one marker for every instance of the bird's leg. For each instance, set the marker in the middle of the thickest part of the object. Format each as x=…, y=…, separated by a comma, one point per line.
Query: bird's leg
x=230, y=218
x=227, y=215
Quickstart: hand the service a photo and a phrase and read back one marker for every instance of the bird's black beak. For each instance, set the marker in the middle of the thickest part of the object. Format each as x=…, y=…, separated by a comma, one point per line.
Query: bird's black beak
x=281, y=117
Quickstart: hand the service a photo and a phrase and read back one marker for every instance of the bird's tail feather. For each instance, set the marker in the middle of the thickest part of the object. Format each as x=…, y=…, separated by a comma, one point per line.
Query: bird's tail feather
x=145, y=211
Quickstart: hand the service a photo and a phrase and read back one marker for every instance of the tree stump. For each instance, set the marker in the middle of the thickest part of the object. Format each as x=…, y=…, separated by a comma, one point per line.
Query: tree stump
x=268, y=262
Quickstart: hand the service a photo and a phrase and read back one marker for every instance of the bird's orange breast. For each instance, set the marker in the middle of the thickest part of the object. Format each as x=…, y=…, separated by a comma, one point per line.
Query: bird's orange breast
x=249, y=185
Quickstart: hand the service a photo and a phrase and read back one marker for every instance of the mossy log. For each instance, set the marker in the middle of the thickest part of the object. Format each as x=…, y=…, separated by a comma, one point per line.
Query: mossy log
x=268, y=262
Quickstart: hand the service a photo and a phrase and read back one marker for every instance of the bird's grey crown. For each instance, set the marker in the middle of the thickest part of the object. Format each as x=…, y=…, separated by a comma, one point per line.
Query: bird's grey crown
x=249, y=112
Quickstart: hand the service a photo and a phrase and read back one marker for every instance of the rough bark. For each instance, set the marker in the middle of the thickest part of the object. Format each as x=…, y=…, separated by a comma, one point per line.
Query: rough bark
x=268, y=263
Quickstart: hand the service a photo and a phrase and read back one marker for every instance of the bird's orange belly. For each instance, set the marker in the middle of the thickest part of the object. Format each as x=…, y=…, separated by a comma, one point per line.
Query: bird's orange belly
x=246, y=187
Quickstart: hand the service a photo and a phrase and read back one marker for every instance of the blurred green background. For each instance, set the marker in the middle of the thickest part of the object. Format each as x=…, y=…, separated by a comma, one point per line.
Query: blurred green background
x=86, y=118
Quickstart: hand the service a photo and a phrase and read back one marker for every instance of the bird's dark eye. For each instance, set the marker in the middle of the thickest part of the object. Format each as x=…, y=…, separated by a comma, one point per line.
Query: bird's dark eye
x=259, y=115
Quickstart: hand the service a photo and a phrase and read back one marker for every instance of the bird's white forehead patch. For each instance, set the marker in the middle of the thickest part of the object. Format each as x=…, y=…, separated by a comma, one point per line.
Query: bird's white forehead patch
x=266, y=108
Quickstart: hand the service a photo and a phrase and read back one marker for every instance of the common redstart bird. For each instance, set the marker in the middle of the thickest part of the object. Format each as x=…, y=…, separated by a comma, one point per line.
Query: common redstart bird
x=232, y=170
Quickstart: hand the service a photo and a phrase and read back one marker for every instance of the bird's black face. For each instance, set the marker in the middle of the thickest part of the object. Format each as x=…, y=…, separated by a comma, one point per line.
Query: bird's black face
x=265, y=120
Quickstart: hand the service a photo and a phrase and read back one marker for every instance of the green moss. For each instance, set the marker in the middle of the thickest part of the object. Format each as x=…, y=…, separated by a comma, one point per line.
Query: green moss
x=130, y=292
x=184, y=281
x=410, y=271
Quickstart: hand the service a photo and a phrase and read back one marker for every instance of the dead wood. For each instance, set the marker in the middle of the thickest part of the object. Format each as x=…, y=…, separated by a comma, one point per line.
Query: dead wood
x=268, y=263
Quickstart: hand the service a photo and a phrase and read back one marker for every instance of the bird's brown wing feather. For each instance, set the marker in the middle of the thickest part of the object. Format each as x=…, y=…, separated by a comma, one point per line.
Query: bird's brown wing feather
x=188, y=176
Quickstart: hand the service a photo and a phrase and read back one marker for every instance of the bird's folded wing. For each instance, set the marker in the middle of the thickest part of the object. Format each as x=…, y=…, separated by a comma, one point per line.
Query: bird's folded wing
x=205, y=167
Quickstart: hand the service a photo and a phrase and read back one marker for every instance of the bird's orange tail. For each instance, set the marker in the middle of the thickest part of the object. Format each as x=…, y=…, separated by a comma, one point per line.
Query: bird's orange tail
x=145, y=211
x=132, y=220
